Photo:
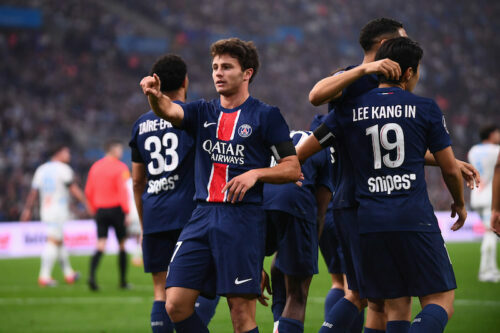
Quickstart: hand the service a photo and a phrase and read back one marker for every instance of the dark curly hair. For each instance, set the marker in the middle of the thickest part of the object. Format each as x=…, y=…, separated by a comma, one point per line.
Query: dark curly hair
x=245, y=52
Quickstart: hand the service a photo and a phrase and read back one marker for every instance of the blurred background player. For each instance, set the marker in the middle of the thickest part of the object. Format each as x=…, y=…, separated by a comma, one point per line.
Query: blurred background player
x=495, y=201
x=221, y=249
x=163, y=177
x=107, y=197
x=133, y=226
x=294, y=215
x=54, y=182
x=483, y=156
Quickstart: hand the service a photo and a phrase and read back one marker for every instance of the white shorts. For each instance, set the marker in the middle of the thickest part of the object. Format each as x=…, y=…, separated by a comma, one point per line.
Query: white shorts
x=485, y=214
x=55, y=230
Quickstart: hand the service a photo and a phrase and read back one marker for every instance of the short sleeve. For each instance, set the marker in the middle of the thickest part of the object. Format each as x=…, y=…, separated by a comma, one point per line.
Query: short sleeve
x=275, y=128
x=67, y=175
x=324, y=169
x=136, y=154
x=438, y=137
x=192, y=113
x=36, y=183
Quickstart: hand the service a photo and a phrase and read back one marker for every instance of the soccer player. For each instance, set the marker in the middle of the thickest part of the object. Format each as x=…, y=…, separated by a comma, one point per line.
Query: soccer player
x=293, y=233
x=107, y=196
x=163, y=177
x=337, y=89
x=402, y=251
x=483, y=156
x=221, y=249
x=54, y=182
x=495, y=201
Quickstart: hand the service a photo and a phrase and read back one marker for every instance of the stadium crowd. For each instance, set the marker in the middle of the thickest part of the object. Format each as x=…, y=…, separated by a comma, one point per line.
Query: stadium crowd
x=70, y=80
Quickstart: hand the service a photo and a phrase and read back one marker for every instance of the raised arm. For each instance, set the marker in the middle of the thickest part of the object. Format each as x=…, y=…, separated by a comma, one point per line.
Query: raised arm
x=331, y=87
x=160, y=103
x=495, y=202
x=139, y=182
x=453, y=179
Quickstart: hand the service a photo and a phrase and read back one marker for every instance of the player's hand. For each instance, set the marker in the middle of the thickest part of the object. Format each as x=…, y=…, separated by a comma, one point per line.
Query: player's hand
x=239, y=185
x=495, y=222
x=389, y=68
x=151, y=86
x=265, y=285
x=299, y=182
x=469, y=173
x=462, y=215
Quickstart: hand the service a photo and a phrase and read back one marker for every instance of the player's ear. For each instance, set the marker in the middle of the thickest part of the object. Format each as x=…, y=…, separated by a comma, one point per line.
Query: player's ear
x=407, y=75
x=247, y=74
x=185, y=83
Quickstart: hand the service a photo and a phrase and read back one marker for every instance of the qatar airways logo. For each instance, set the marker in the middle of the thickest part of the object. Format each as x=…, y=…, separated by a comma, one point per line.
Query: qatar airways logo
x=225, y=152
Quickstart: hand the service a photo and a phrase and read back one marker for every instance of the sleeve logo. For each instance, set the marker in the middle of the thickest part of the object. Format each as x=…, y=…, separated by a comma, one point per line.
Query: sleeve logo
x=245, y=130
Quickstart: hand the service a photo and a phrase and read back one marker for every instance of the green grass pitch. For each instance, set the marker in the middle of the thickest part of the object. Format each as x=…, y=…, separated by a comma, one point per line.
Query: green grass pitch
x=24, y=307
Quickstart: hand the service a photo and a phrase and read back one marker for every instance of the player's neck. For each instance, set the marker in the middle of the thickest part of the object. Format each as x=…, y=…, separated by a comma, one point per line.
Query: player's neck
x=369, y=57
x=392, y=85
x=177, y=95
x=235, y=100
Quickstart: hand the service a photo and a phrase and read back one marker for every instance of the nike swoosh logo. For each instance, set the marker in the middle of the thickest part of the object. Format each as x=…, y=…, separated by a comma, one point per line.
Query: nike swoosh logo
x=208, y=124
x=237, y=282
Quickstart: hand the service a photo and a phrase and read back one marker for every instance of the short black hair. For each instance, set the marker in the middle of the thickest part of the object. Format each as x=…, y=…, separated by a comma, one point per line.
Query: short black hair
x=372, y=32
x=245, y=52
x=485, y=131
x=404, y=51
x=172, y=71
x=112, y=143
x=56, y=148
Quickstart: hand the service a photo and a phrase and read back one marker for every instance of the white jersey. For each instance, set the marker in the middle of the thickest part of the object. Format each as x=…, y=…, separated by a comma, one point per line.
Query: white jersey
x=52, y=180
x=483, y=157
x=135, y=224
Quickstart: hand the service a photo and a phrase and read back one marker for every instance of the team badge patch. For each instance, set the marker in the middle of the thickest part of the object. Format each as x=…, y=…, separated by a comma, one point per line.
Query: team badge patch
x=245, y=130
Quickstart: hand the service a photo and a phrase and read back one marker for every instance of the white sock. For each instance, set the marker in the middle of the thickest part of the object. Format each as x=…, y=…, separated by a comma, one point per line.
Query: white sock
x=49, y=256
x=64, y=260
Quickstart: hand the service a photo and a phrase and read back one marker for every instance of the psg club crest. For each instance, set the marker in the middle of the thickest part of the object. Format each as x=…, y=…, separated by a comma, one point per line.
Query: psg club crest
x=245, y=130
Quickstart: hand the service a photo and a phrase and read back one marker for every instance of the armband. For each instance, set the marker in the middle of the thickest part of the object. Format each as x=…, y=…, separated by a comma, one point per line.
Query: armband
x=283, y=149
x=324, y=136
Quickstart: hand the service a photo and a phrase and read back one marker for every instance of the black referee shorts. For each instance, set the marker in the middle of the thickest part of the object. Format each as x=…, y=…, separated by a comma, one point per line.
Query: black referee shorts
x=110, y=217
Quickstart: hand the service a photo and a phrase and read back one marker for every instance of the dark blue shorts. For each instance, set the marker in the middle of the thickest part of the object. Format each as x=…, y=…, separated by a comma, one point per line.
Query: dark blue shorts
x=296, y=243
x=329, y=245
x=405, y=263
x=346, y=223
x=157, y=249
x=220, y=250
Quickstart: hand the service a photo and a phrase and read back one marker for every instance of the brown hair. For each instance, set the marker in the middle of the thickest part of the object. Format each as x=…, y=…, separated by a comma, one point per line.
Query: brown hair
x=245, y=52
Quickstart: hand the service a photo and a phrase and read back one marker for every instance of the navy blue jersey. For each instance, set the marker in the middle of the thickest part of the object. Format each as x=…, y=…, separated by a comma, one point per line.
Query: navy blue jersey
x=318, y=120
x=388, y=131
x=344, y=196
x=168, y=154
x=229, y=142
x=300, y=201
